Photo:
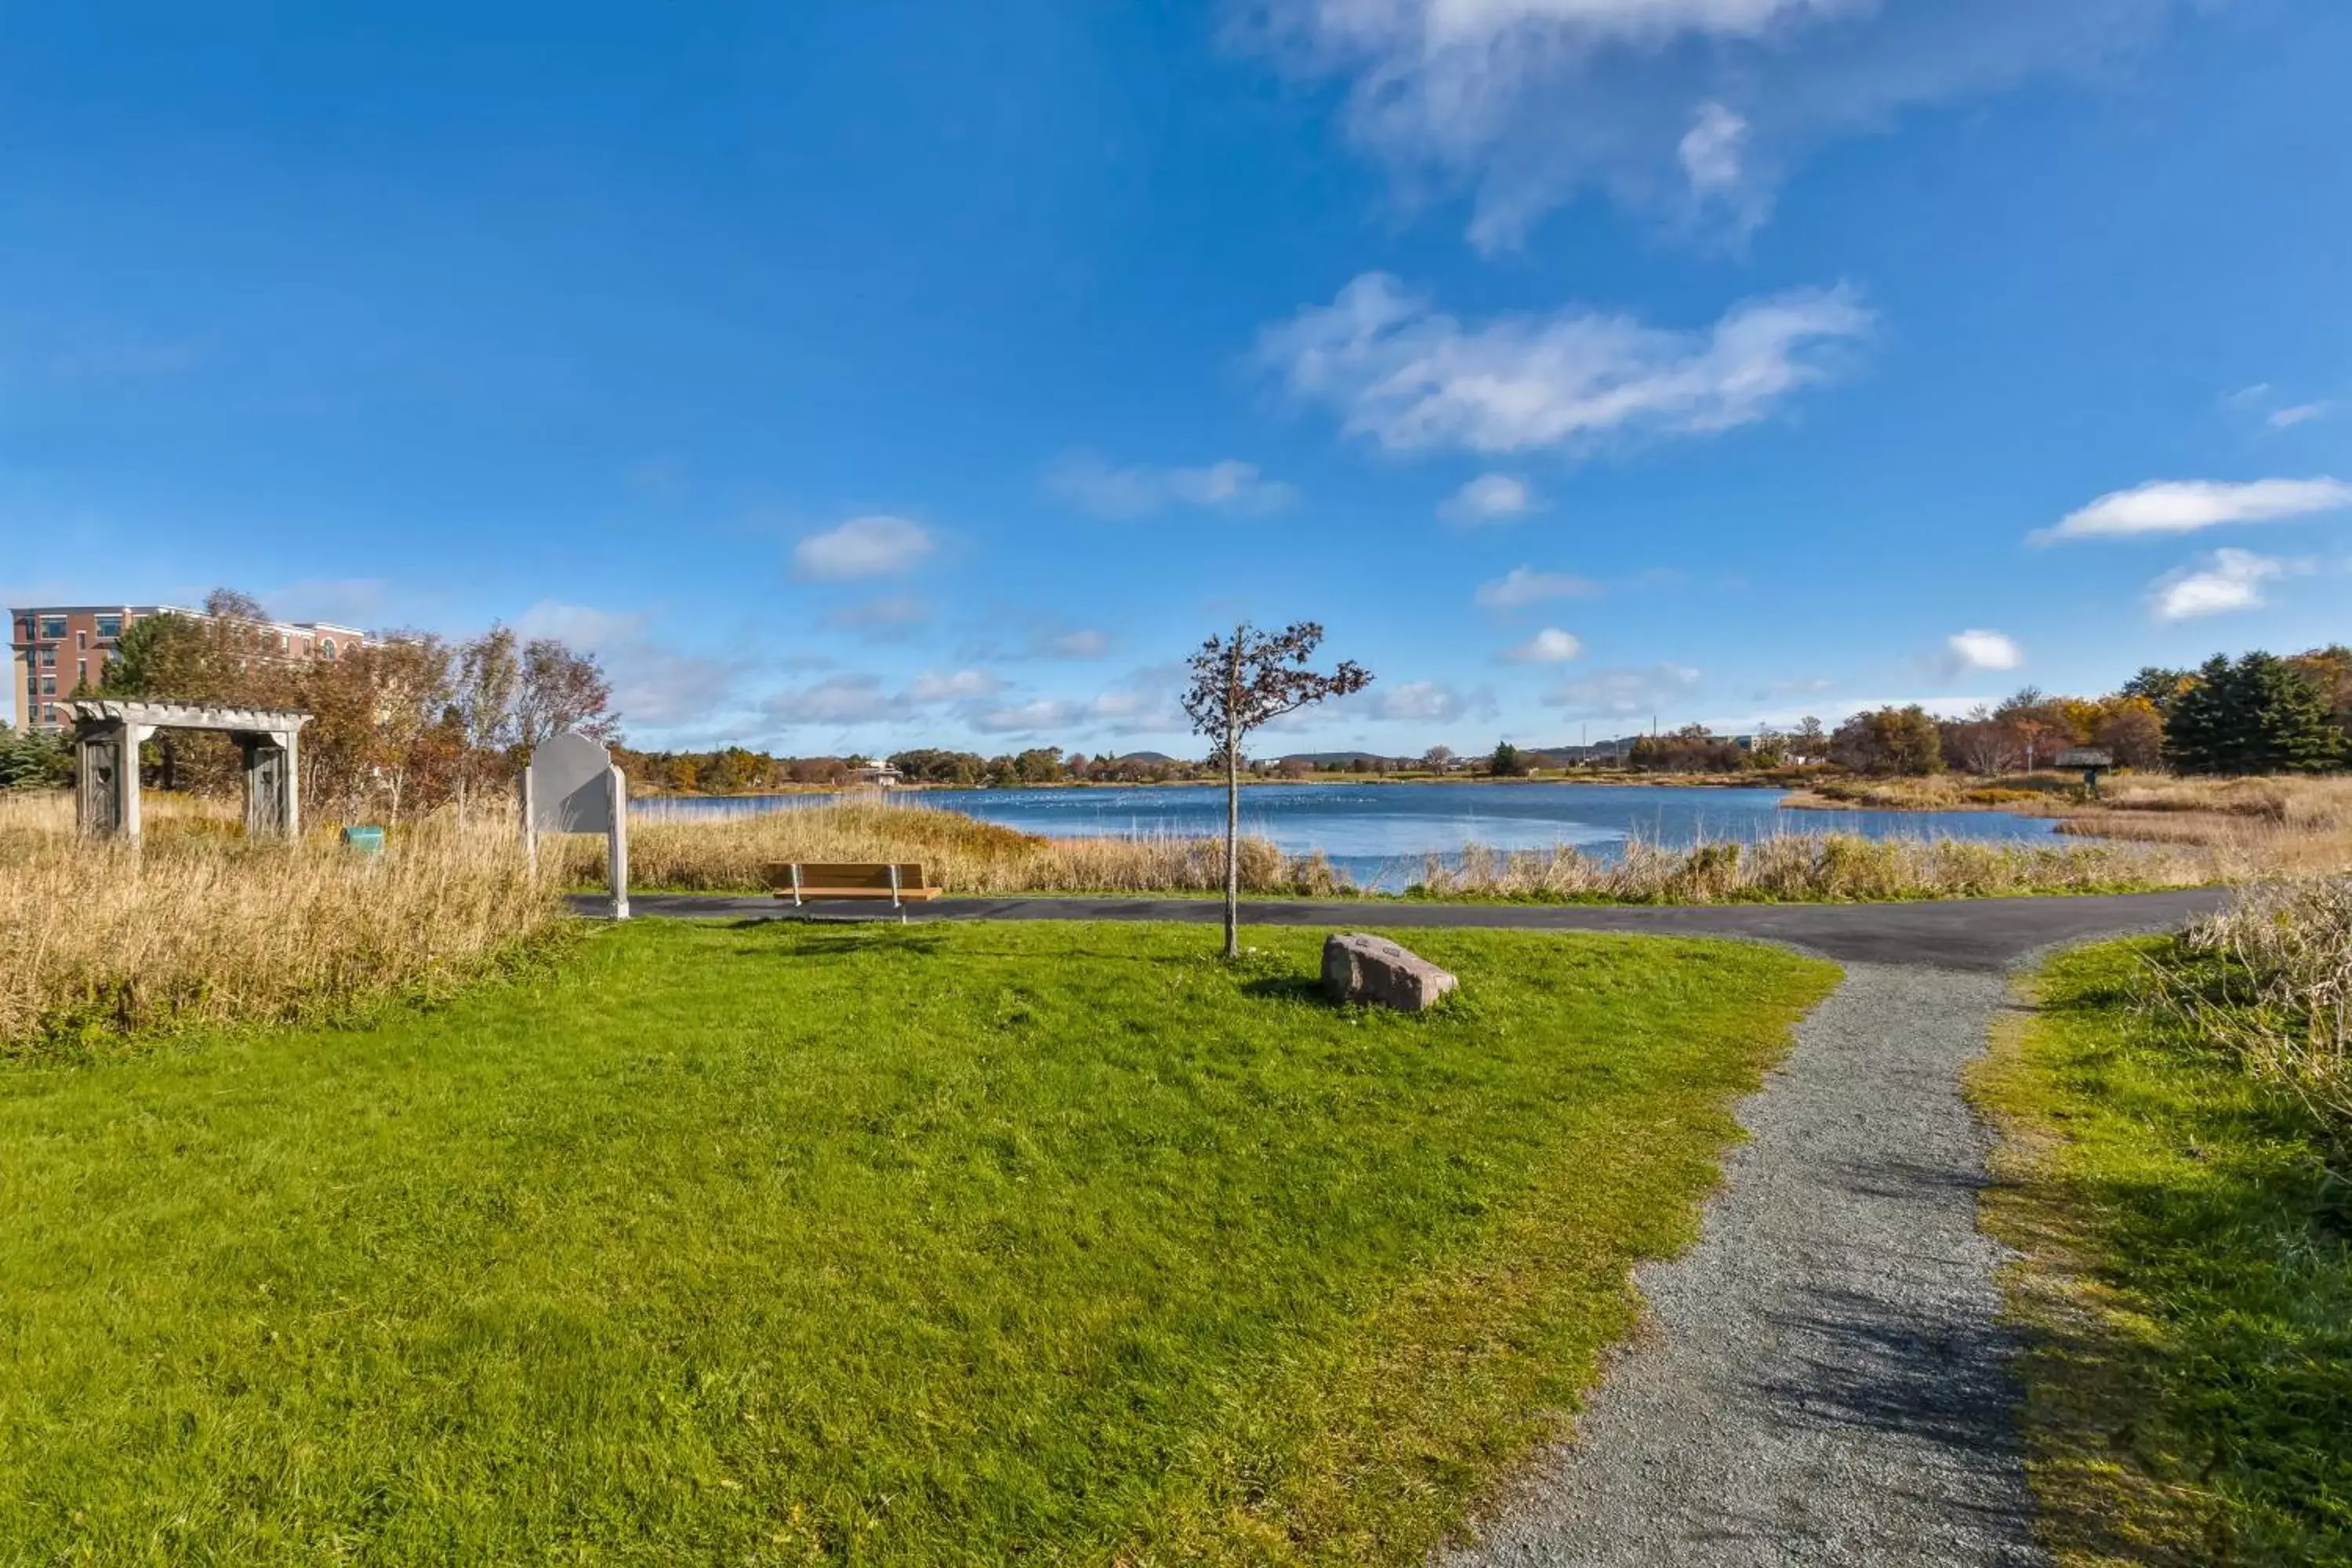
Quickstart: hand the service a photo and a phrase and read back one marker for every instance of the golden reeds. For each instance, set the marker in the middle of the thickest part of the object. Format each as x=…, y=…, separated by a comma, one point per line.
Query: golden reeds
x=198, y=924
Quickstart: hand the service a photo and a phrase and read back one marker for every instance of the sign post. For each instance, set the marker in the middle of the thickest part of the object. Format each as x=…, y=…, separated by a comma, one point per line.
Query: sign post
x=571, y=787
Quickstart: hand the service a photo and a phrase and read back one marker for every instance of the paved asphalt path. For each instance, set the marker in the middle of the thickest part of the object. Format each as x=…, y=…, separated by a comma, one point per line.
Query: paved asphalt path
x=1822, y=1380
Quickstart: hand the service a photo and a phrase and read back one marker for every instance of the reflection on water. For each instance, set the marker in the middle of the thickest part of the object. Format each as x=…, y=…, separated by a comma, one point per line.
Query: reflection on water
x=1382, y=834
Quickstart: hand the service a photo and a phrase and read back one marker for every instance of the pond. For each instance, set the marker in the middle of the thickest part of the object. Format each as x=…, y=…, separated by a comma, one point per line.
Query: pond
x=1381, y=834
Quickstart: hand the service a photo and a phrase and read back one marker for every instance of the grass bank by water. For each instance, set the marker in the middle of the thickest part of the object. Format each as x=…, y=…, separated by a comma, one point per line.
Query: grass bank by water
x=2185, y=1216
x=773, y=1245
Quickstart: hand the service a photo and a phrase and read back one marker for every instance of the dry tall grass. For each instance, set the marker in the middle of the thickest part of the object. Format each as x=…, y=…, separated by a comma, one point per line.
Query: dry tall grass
x=2274, y=988
x=2252, y=827
x=198, y=924
x=957, y=852
x=1815, y=867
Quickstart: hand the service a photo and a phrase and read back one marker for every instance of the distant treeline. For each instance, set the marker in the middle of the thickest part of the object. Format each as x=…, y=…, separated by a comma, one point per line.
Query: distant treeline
x=2259, y=713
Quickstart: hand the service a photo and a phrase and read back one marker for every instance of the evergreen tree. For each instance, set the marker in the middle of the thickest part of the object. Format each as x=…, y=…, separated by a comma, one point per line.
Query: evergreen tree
x=2259, y=715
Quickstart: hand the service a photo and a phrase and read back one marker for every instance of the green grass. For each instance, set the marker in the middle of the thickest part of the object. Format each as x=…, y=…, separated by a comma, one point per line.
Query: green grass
x=2187, y=1285
x=769, y=1244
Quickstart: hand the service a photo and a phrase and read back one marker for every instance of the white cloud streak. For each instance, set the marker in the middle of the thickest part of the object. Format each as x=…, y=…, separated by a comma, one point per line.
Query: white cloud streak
x=1624, y=693
x=1549, y=645
x=2227, y=579
x=875, y=546
x=1489, y=498
x=1522, y=586
x=2184, y=506
x=1413, y=379
x=1968, y=651
x=1676, y=107
x=1237, y=489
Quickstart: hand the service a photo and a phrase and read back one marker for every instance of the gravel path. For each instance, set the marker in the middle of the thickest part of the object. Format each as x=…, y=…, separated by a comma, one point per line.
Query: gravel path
x=1824, y=1382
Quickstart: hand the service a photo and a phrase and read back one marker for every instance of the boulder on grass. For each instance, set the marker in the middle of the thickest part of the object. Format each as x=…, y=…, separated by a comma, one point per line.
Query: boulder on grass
x=1376, y=970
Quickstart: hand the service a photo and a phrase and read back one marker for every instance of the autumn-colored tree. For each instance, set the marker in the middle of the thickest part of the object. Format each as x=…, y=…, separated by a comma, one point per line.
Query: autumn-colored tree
x=1239, y=684
x=1889, y=741
x=2131, y=730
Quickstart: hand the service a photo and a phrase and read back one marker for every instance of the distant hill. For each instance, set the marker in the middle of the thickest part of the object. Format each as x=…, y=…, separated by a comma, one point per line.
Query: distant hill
x=1147, y=757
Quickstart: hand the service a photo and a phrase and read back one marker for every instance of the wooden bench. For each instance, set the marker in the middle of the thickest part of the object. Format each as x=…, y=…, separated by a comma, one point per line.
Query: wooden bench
x=804, y=884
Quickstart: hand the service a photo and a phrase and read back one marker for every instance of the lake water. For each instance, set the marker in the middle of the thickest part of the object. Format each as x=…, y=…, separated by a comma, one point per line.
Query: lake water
x=1381, y=834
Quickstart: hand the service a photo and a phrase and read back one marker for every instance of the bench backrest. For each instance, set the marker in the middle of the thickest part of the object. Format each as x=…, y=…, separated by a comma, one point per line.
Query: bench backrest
x=862, y=877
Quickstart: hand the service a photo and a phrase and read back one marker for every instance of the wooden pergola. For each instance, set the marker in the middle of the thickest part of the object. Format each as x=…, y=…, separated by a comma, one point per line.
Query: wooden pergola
x=108, y=734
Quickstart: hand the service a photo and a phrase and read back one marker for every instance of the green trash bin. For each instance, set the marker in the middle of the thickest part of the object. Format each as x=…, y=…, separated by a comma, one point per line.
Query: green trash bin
x=367, y=840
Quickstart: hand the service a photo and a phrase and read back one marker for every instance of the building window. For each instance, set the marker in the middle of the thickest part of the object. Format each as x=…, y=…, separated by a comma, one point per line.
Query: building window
x=81, y=640
x=53, y=627
x=81, y=672
x=48, y=686
x=110, y=626
x=326, y=647
x=48, y=658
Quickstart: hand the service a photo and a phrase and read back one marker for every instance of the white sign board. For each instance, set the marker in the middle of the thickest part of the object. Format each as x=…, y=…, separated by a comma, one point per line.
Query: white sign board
x=571, y=787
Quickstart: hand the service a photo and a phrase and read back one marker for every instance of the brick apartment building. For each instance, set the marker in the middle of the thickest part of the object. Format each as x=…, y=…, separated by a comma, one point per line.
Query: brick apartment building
x=55, y=651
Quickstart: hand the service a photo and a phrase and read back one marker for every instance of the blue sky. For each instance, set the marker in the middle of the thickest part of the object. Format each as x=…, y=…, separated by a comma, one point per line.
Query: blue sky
x=858, y=376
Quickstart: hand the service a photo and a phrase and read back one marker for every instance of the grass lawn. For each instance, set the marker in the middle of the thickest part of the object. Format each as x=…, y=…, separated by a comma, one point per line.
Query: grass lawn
x=2187, y=1287
x=775, y=1244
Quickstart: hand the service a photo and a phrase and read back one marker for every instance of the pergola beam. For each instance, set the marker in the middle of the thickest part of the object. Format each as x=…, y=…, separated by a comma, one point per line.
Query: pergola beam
x=108, y=734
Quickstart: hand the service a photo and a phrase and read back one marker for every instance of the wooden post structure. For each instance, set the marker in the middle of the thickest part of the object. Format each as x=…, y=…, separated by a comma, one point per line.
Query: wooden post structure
x=616, y=845
x=108, y=735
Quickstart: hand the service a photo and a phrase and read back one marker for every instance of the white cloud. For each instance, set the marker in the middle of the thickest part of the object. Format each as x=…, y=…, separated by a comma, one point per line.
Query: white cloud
x=1087, y=642
x=2301, y=414
x=1037, y=716
x=2228, y=580
x=1524, y=103
x=1624, y=693
x=1413, y=379
x=1522, y=586
x=844, y=699
x=582, y=625
x=1710, y=149
x=887, y=616
x=1231, y=485
x=2184, y=506
x=953, y=686
x=1420, y=702
x=876, y=546
x=1489, y=498
x=1972, y=650
x=1549, y=645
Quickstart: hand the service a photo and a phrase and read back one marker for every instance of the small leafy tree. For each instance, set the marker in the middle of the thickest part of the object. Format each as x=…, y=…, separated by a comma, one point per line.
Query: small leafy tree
x=1240, y=683
x=1506, y=763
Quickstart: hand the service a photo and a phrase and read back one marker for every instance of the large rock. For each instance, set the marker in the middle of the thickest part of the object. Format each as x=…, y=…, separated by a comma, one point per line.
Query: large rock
x=1374, y=970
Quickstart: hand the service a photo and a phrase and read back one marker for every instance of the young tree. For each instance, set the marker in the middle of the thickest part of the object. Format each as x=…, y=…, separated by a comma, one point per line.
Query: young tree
x=1506, y=763
x=1239, y=684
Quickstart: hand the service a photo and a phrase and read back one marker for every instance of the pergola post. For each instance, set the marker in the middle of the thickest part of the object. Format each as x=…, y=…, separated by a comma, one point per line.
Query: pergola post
x=109, y=733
